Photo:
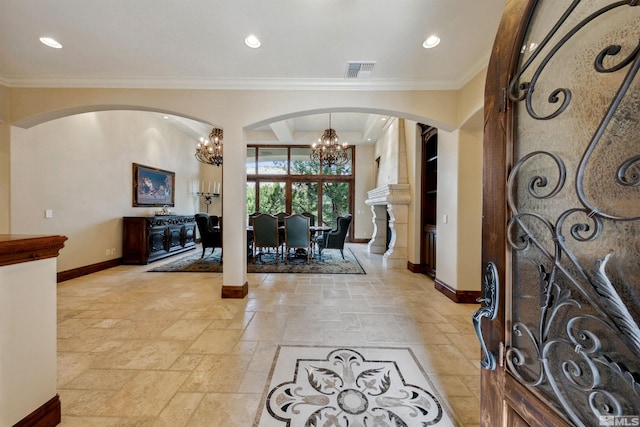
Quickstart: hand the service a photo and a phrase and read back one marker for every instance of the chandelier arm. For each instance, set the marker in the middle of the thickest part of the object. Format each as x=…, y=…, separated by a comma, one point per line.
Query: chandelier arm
x=329, y=152
x=210, y=152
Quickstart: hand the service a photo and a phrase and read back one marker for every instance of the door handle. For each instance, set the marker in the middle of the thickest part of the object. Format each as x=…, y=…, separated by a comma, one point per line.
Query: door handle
x=489, y=310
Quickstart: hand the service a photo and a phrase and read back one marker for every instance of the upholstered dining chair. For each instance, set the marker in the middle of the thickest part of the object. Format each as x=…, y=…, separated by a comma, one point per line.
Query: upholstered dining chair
x=210, y=234
x=335, y=238
x=297, y=235
x=252, y=216
x=265, y=234
x=281, y=216
x=312, y=218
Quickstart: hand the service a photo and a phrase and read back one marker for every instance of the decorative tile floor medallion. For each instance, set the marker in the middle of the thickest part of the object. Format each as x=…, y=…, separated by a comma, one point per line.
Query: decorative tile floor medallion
x=349, y=387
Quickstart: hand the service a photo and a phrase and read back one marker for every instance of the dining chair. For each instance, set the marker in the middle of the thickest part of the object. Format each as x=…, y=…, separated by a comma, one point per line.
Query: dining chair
x=210, y=234
x=252, y=216
x=281, y=216
x=297, y=235
x=312, y=218
x=335, y=238
x=265, y=234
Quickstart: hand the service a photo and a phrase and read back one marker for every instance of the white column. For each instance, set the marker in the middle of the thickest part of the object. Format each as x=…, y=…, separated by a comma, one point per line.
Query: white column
x=234, y=228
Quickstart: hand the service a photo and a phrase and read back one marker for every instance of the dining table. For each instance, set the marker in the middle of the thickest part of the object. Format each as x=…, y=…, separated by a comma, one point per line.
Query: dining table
x=314, y=229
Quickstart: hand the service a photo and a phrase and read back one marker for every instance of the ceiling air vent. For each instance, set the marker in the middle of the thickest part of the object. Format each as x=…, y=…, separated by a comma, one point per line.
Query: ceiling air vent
x=359, y=70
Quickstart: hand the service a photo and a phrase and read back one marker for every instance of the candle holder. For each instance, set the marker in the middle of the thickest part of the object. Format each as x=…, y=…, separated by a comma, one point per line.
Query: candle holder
x=208, y=198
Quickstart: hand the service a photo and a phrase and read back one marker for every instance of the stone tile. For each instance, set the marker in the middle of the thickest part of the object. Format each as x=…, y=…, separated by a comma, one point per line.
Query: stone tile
x=225, y=410
x=146, y=394
x=96, y=379
x=215, y=341
x=185, y=329
x=382, y=328
x=466, y=409
x=160, y=349
x=186, y=362
x=179, y=410
x=217, y=373
x=69, y=421
x=141, y=354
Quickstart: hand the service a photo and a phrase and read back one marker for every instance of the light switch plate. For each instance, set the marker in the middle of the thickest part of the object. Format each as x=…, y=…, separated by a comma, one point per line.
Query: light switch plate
x=48, y=213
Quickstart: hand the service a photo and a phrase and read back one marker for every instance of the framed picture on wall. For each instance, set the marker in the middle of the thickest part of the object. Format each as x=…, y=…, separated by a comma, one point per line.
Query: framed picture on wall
x=153, y=187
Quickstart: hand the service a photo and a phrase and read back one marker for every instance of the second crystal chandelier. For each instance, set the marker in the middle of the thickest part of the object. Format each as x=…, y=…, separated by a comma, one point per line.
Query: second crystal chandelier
x=328, y=151
x=210, y=151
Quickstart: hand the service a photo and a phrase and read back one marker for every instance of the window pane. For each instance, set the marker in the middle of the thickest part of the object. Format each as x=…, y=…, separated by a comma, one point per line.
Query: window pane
x=340, y=170
x=335, y=202
x=251, y=198
x=272, y=197
x=301, y=163
x=304, y=198
x=251, y=161
x=272, y=161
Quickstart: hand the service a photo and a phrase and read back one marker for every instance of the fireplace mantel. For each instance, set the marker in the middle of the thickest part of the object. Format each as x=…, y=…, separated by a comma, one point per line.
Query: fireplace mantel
x=390, y=194
x=392, y=199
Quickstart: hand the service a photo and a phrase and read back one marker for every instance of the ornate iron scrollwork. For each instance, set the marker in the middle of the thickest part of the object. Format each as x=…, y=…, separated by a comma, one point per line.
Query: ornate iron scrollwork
x=575, y=336
x=489, y=310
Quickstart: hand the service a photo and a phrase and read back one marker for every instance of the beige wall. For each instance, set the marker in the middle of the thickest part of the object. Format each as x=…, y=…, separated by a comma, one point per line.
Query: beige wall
x=470, y=99
x=5, y=167
x=469, y=269
x=27, y=338
x=235, y=111
x=4, y=104
x=80, y=167
x=365, y=181
x=447, y=204
x=5, y=178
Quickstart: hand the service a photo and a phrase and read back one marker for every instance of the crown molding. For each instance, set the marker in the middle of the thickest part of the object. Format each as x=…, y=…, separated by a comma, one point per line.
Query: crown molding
x=229, y=84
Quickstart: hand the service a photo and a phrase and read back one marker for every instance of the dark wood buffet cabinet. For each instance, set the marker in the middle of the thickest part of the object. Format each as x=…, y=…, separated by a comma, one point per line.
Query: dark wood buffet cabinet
x=150, y=238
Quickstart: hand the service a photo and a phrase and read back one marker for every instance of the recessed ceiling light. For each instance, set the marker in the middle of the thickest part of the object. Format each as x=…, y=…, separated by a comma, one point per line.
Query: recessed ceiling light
x=51, y=42
x=431, y=41
x=252, y=41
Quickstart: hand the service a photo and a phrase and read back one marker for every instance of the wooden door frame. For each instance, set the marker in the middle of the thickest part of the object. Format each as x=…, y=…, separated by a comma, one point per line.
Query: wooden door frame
x=426, y=133
x=499, y=119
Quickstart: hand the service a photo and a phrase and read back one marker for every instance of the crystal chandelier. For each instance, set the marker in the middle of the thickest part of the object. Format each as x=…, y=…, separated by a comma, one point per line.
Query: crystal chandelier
x=210, y=151
x=328, y=151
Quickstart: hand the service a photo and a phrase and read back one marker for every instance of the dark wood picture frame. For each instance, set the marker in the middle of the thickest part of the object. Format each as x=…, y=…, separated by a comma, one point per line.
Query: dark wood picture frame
x=153, y=186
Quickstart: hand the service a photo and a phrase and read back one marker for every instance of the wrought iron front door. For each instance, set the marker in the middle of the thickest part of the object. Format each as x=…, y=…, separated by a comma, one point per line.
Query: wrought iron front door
x=562, y=142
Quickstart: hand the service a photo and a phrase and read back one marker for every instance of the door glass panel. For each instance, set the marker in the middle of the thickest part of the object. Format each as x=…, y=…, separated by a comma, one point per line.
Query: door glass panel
x=304, y=197
x=272, y=197
x=574, y=195
x=335, y=202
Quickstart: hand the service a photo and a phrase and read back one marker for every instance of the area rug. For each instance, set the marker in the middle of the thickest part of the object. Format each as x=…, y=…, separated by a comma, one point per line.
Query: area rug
x=331, y=263
x=345, y=387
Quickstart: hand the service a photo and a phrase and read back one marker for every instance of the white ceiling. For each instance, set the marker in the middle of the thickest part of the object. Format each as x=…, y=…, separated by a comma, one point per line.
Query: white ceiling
x=306, y=44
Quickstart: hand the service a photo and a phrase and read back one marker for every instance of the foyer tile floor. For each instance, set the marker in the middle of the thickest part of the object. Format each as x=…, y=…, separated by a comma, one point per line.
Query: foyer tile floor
x=163, y=349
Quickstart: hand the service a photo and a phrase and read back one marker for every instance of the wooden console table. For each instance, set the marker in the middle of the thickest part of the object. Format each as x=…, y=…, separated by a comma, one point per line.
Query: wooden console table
x=150, y=238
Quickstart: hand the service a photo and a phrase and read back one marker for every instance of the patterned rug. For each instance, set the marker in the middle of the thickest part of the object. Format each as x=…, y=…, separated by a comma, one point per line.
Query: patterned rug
x=344, y=387
x=331, y=263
